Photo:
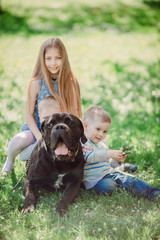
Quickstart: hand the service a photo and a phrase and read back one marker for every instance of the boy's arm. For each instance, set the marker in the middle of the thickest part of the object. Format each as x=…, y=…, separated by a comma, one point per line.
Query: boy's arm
x=100, y=155
x=92, y=156
x=115, y=154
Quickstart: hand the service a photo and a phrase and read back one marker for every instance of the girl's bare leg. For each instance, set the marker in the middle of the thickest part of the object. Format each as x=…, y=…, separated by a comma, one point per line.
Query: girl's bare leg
x=18, y=142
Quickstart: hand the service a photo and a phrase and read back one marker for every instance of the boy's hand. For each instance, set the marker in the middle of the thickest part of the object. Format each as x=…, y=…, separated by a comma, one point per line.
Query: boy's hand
x=123, y=158
x=117, y=155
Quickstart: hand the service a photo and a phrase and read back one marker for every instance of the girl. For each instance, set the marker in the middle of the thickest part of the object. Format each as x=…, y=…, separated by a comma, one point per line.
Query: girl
x=52, y=75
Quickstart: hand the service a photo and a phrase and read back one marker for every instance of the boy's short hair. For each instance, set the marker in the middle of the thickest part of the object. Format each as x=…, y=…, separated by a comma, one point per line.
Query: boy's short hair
x=96, y=112
x=50, y=100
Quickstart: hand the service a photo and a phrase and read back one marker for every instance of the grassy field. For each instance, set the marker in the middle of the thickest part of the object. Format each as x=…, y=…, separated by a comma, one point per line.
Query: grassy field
x=114, y=51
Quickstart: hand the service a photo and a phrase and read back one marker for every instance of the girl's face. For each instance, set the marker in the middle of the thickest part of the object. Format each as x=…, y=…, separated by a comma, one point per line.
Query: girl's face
x=53, y=61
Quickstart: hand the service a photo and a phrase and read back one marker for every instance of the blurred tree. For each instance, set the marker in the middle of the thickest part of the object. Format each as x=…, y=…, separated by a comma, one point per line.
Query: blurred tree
x=153, y=3
x=1, y=7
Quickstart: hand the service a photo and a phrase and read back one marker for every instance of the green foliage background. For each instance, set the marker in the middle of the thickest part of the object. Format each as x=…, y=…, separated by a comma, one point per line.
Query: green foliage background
x=114, y=51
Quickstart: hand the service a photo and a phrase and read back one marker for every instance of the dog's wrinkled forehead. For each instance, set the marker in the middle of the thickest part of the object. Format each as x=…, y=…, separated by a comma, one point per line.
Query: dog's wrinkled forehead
x=65, y=118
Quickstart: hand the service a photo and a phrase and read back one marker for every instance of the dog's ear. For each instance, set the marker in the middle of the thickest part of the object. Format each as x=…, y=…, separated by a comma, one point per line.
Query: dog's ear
x=83, y=137
x=42, y=126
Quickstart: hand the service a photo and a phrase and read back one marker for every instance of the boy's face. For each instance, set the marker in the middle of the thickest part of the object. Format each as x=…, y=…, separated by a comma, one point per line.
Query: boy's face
x=48, y=111
x=96, y=131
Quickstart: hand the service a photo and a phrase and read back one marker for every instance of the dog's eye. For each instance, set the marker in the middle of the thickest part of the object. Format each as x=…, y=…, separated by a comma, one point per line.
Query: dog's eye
x=50, y=125
x=73, y=124
x=67, y=120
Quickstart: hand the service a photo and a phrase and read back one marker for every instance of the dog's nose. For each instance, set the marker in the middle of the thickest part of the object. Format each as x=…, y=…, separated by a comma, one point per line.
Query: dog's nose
x=59, y=127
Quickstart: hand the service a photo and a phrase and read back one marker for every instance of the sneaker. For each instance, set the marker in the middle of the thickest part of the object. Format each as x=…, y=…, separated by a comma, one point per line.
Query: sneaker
x=156, y=196
x=5, y=172
x=130, y=167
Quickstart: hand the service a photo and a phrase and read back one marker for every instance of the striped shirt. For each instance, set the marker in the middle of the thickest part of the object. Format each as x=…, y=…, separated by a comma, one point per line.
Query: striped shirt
x=97, y=165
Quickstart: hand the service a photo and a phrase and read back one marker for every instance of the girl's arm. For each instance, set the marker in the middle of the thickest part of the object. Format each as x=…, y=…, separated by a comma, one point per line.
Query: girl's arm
x=30, y=107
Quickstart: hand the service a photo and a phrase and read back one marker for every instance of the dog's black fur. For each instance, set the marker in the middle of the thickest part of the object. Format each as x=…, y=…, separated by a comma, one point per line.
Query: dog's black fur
x=49, y=170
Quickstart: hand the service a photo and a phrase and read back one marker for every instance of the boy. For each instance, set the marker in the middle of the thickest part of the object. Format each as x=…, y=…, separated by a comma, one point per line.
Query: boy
x=46, y=107
x=98, y=173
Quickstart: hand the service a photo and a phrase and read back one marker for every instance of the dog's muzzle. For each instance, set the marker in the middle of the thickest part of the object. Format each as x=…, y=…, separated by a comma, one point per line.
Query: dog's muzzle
x=61, y=135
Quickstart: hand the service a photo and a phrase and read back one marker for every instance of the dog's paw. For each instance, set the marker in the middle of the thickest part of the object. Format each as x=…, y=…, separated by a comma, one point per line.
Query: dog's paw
x=61, y=211
x=28, y=209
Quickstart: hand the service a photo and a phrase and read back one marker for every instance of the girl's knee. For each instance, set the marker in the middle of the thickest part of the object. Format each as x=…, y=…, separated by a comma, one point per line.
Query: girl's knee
x=16, y=142
x=20, y=141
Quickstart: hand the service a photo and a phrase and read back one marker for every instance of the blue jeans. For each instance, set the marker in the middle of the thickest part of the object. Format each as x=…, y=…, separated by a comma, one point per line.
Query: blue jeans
x=117, y=180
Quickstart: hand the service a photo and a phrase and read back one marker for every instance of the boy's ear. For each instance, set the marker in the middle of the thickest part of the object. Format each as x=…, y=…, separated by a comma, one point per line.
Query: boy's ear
x=84, y=125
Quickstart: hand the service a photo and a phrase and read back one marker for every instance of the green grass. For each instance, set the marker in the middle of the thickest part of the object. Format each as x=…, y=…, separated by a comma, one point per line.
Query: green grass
x=113, y=47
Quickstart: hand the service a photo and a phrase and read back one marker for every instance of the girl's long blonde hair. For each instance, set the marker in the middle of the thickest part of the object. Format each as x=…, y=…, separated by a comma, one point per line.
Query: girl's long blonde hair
x=68, y=86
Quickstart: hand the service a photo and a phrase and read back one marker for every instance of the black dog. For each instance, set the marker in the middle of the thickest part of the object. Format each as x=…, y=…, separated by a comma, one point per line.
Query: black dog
x=57, y=161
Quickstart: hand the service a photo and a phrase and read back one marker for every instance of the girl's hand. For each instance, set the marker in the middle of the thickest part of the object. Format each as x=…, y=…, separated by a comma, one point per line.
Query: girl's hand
x=39, y=135
x=116, y=154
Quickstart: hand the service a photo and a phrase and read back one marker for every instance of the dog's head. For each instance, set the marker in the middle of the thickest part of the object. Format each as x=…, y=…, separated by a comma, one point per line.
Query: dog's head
x=62, y=133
